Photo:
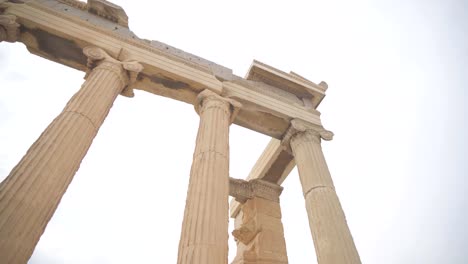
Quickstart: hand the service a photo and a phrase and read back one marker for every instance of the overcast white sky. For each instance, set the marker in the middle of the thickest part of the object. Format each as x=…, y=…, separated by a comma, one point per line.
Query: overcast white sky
x=396, y=102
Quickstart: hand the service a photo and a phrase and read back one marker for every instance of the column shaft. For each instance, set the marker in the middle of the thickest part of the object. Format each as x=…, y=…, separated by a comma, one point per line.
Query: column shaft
x=332, y=239
x=204, y=237
x=34, y=188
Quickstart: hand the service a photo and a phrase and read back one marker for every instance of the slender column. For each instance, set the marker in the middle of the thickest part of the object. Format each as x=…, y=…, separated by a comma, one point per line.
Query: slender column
x=32, y=191
x=332, y=239
x=258, y=229
x=204, y=237
x=9, y=29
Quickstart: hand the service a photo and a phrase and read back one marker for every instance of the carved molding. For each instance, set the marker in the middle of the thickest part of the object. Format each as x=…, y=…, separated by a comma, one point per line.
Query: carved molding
x=109, y=11
x=243, y=190
x=97, y=57
x=306, y=131
x=208, y=98
x=9, y=29
x=135, y=42
x=102, y=8
x=247, y=231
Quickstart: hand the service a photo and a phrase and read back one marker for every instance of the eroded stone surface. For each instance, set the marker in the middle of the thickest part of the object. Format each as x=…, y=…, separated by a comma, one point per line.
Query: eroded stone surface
x=243, y=190
x=259, y=233
x=170, y=72
x=109, y=11
x=9, y=28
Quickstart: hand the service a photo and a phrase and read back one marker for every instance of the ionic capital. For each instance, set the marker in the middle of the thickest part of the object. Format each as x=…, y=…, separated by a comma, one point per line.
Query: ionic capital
x=300, y=130
x=9, y=29
x=126, y=70
x=243, y=190
x=208, y=99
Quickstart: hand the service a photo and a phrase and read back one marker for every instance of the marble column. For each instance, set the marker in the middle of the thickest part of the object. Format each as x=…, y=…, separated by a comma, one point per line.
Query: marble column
x=258, y=228
x=9, y=29
x=31, y=193
x=332, y=239
x=204, y=235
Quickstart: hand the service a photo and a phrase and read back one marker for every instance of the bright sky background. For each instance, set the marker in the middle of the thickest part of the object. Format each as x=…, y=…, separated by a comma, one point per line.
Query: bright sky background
x=397, y=74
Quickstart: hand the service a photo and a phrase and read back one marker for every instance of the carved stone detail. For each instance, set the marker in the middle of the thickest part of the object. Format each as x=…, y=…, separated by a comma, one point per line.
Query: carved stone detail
x=137, y=42
x=259, y=233
x=109, y=11
x=310, y=132
x=9, y=29
x=98, y=57
x=102, y=8
x=208, y=99
x=243, y=190
x=258, y=228
x=247, y=231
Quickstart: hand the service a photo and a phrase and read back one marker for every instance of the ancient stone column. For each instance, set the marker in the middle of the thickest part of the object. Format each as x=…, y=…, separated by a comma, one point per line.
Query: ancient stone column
x=9, y=29
x=258, y=229
x=204, y=235
x=332, y=239
x=32, y=191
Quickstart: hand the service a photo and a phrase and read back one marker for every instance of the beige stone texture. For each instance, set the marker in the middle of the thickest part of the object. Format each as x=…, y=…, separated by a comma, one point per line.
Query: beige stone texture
x=332, y=239
x=204, y=236
x=274, y=165
x=32, y=191
x=275, y=103
x=109, y=11
x=259, y=233
x=243, y=190
x=9, y=29
x=268, y=105
x=308, y=92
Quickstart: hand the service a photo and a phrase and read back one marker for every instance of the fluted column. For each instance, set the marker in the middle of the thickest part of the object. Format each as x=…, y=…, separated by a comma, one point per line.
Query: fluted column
x=32, y=191
x=204, y=236
x=332, y=239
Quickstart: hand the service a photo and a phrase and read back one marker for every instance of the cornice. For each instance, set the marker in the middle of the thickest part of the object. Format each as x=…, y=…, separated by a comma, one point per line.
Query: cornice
x=131, y=40
x=262, y=110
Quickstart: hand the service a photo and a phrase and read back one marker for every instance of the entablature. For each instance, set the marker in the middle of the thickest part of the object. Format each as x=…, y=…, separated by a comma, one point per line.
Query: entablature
x=59, y=30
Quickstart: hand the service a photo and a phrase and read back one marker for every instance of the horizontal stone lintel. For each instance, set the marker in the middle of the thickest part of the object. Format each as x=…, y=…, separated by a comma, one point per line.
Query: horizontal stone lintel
x=55, y=31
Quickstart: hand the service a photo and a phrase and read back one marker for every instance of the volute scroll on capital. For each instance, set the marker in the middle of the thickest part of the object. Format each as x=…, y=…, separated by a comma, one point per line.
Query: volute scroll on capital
x=299, y=127
x=127, y=70
x=209, y=96
x=9, y=28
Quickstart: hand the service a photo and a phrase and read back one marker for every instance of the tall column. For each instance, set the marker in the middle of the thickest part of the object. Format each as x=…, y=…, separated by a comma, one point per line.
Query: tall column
x=258, y=229
x=332, y=239
x=34, y=188
x=204, y=236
